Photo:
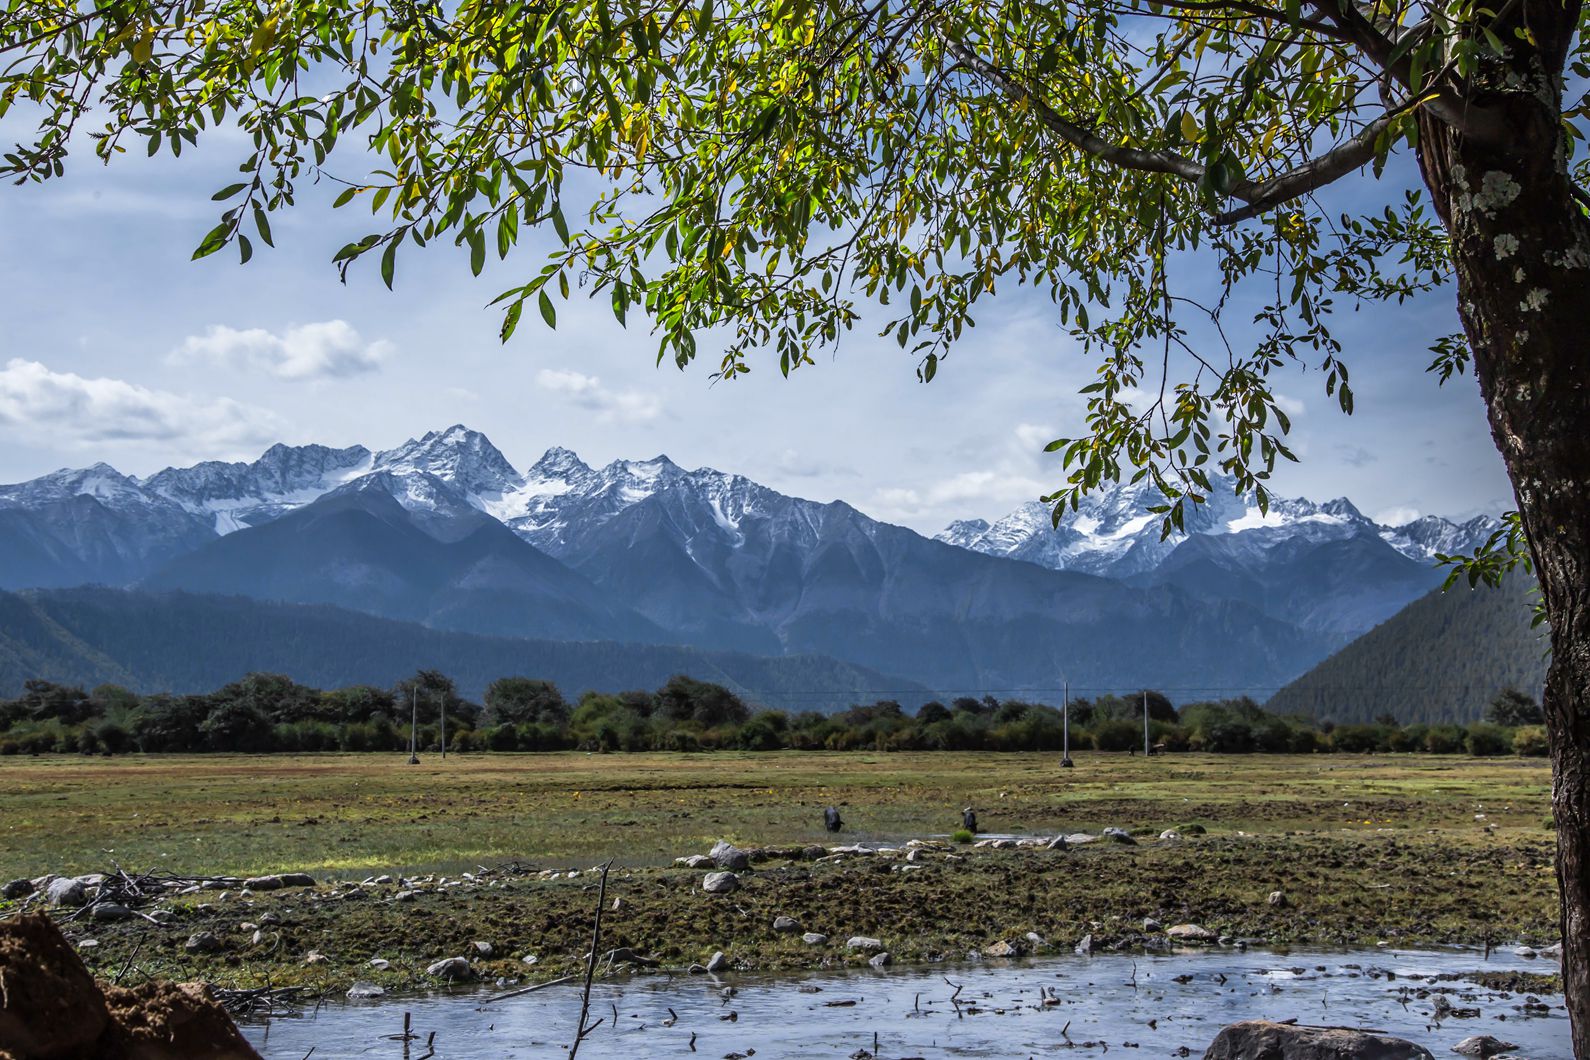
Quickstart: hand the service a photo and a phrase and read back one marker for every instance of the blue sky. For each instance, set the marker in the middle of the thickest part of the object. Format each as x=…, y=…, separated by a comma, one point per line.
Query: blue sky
x=117, y=347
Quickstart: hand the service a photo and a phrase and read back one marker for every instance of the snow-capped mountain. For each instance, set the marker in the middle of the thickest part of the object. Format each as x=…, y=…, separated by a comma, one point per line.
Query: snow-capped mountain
x=1112, y=532
x=445, y=530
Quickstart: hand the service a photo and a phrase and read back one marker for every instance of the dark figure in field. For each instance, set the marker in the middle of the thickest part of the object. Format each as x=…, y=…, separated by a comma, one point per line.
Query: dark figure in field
x=969, y=820
x=831, y=819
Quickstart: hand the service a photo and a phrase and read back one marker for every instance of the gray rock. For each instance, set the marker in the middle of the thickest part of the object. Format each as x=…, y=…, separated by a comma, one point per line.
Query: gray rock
x=66, y=892
x=263, y=883
x=297, y=879
x=1169, y=835
x=1482, y=1046
x=484, y=950
x=880, y=960
x=17, y=889
x=717, y=963
x=1057, y=843
x=812, y=938
x=1152, y=926
x=1263, y=1040
x=365, y=990
x=163, y=916
x=110, y=911
x=1191, y=933
x=1087, y=945
x=719, y=882
x=1002, y=949
x=202, y=942
x=728, y=856
x=1036, y=939
x=1278, y=899
x=452, y=969
x=862, y=942
x=697, y=969
x=380, y=964
x=698, y=861
x=1554, y=950
x=1527, y=952
x=785, y=925
x=1119, y=835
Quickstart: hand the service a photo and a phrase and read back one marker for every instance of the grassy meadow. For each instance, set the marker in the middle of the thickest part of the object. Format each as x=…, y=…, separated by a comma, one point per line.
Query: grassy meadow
x=1393, y=850
x=354, y=815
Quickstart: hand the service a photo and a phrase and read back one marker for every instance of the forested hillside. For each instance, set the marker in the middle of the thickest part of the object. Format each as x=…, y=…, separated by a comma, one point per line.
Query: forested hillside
x=1442, y=658
x=178, y=642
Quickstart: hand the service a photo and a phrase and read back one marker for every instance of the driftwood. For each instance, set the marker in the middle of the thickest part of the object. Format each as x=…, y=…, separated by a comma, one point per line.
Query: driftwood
x=582, y=1028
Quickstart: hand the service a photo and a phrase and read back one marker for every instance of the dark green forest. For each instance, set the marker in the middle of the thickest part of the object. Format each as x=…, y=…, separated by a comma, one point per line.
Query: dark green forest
x=1440, y=659
x=272, y=713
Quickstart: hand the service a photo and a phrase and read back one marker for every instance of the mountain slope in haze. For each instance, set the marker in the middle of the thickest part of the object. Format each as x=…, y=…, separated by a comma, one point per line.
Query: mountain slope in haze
x=93, y=526
x=1442, y=658
x=181, y=642
x=359, y=548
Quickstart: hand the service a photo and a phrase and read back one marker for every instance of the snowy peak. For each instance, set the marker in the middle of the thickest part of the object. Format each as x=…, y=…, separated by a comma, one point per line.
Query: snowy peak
x=1113, y=533
x=100, y=481
x=458, y=455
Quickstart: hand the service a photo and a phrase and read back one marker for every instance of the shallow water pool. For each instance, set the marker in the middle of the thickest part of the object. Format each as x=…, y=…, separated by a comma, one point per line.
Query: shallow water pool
x=1131, y=1005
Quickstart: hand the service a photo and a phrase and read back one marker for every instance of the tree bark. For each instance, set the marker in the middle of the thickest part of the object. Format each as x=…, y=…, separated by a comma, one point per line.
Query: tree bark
x=1521, y=247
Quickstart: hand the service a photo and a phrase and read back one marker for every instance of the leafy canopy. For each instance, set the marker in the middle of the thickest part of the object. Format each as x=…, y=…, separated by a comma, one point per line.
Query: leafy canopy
x=760, y=170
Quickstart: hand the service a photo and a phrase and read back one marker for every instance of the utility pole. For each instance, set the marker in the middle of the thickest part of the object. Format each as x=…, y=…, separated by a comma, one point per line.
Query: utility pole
x=414, y=725
x=1065, y=723
x=1146, y=751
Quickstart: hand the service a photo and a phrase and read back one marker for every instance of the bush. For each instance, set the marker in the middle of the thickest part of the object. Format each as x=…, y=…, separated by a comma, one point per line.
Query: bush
x=1229, y=737
x=10, y=747
x=1487, y=741
x=1409, y=738
x=962, y=835
x=1444, y=740
x=1531, y=740
x=1361, y=739
x=113, y=737
x=1117, y=735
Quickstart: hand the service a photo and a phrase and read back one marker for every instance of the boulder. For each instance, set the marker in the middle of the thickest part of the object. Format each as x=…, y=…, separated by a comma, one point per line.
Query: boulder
x=1119, y=835
x=263, y=883
x=365, y=990
x=483, y=950
x=698, y=861
x=1554, y=950
x=17, y=889
x=1002, y=949
x=1277, y=899
x=1191, y=933
x=110, y=911
x=1087, y=945
x=66, y=892
x=719, y=882
x=785, y=925
x=453, y=969
x=728, y=856
x=1482, y=1046
x=862, y=942
x=53, y=1008
x=880, y=960
x=1264, y=1040
x=812, y=938
x=202, y=942
x=297, y=879
x=717, y=963
x=1152, y=926
x=1169, y=835
x=1057, y=843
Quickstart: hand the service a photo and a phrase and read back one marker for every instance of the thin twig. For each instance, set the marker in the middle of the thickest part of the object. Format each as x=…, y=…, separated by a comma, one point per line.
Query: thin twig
x=581, y=1029
x=527, y=990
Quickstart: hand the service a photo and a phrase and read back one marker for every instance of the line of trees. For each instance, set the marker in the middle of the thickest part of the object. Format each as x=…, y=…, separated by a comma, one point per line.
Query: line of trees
x=270, y=712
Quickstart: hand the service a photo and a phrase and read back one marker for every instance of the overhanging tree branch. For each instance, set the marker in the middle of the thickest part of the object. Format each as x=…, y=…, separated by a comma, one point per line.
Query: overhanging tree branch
x=1260, y=196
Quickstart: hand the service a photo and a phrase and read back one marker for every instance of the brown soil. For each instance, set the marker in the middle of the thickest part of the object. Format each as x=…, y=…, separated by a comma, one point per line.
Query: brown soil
x=51, y=1008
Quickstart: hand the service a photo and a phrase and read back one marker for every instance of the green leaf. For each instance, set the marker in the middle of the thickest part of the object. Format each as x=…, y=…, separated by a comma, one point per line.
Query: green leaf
x=548, y=313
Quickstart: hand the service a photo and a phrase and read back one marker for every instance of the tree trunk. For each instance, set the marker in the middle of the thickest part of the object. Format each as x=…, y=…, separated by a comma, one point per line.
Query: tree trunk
x=1521, y=246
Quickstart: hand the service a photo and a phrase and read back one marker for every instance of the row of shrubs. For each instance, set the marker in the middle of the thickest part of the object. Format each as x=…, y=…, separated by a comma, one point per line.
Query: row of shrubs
x=266, y=712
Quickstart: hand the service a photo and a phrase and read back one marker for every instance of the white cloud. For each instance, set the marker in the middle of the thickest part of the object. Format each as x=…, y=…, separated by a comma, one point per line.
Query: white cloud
x=953, y=496
x=1399, y=516
x=37, y=402
x=610, y=406
x=331, y=349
